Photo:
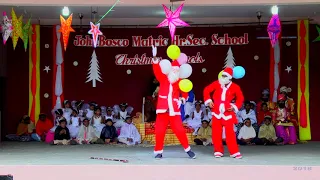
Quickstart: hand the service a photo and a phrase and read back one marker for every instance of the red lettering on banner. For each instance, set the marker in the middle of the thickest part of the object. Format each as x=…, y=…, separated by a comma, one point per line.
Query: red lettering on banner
x=190, y=41
x=123, y=59
x=102, y=41
x=226, y=40
x=138, y=41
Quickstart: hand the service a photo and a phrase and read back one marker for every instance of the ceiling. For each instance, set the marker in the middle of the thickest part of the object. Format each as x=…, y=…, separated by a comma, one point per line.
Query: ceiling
x=135, y=15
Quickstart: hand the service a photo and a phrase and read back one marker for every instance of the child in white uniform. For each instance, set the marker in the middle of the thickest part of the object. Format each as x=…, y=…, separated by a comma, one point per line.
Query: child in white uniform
x=121, y=116
x=74, y=124
x=58, y=116
x=97, y=121
x=196, y=117
x=67, y=111
x=129, y=134
x=90, y=112
x=109, y=114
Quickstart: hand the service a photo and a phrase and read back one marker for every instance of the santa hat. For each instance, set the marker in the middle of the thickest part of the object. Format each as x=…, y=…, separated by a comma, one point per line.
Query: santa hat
x=228, y=72
x=175, y=64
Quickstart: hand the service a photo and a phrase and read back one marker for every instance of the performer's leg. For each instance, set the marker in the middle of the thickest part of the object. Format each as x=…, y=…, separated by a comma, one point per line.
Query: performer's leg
x=162, y=122
x=177, y=127
x=231, y=139
x=217, y=137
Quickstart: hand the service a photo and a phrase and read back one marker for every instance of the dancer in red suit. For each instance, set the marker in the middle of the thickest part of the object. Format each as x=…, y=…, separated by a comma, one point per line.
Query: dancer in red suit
x=169, y=101
x=224, y=112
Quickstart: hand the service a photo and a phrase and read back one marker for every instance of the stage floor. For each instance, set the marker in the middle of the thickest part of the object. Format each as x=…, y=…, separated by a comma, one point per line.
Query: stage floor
x=34, y=153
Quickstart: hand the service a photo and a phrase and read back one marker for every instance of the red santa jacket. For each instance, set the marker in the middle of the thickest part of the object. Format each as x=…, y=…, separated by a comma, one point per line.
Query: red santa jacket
x=222, y=98
x=169, y=94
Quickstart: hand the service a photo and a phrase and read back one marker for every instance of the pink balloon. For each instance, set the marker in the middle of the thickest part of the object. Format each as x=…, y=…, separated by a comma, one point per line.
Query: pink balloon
x=183, y=58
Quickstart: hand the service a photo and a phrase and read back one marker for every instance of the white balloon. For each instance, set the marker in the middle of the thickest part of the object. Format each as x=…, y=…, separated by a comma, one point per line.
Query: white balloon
x=165, y=66
x=185, y=71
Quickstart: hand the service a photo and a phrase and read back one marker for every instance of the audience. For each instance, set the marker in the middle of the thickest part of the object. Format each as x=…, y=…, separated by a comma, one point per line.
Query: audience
x=247, y=134
x=88, y=113
x=97, y=121
x=43, y=127
x=204, y=135
x=194, y=121
x=22, y=133
x=262, y=113
x=62, y=134
x=267, y=133
x=75, y=123
x=129, y=134
x=247, y=113
x=67, y=111
x=109, y=133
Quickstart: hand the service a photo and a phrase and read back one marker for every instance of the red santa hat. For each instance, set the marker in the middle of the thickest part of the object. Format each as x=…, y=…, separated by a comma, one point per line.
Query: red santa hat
x=175, y=64
x=228, y=72
x=281, y=97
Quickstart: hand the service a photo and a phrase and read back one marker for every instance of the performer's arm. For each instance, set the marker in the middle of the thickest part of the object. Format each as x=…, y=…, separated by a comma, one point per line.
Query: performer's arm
x=206, y=93
x=239, y=100
x=157, y=69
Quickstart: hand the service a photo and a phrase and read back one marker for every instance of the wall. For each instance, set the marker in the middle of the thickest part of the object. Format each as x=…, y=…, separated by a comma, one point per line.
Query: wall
x=119, y=87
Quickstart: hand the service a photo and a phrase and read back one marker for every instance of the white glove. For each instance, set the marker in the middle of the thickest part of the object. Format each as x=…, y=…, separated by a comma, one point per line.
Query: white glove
x=154, y=51
x=179, y=104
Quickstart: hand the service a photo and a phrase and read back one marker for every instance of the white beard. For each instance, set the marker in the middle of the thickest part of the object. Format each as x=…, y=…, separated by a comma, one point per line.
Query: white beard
x=173, y=76
x=224, y=81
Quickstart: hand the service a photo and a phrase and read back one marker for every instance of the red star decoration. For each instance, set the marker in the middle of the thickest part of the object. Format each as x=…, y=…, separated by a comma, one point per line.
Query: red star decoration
x=66, y=29
x=95, y=32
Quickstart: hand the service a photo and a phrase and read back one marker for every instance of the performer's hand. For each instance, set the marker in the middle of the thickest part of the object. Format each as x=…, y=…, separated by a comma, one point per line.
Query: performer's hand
x=154, y=51
x=210, y=104
x=230, y=109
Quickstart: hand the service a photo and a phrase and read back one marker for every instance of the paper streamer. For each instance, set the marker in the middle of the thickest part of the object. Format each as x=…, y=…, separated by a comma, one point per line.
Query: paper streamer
x=303, y=80
x=34, y=73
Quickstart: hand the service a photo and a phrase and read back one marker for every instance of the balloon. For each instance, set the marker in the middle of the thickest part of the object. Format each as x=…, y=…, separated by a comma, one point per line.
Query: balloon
x=173, y=52
x=185, y=85
x=165, y=66
x=238, y=72
x=185, y=71
x=183, y=58
x=220, y=74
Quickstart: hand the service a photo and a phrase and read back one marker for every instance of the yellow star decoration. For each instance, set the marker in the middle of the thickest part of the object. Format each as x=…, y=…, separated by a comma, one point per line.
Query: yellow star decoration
x=17, y=28
x=66, y=29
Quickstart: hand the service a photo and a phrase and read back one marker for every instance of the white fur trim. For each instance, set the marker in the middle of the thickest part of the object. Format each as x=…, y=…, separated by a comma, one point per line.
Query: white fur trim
x=207, y=102
x=163, y=97
x=170, y=105
x=183, y=100
x=235, y=154
x=234, y=107
x=155, y=61
x=227, y=74
x=224, y=91
x=158, y=152
x=187, y=149
x=219, y=116
x=161, y=111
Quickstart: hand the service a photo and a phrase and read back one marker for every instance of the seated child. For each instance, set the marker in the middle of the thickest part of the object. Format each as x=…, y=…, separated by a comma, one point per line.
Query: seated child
x=62, y=134
x=247, y=134
x=109, y=114
x=75, y=123
x=97, y=121
x=22, y=133
x=42, y=128
x=196, y=117
x=262, y=113
x=89, y=112
x=109, y=133
x=204, y=136
x=267, y=133
x=129, y=134
x=247, y=113
x=67, y=111
x=87, y=134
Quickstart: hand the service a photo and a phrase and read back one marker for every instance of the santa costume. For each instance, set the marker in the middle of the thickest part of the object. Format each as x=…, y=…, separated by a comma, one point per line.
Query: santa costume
x=224, y=112
x=168, y=106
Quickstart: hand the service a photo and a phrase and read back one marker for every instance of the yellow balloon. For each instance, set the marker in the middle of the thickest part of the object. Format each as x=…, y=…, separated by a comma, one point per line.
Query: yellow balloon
x=173, y=52
x=185, y=85
x=220, y=74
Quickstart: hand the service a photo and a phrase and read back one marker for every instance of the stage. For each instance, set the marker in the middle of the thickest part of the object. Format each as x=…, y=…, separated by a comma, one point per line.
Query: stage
x=34, y=153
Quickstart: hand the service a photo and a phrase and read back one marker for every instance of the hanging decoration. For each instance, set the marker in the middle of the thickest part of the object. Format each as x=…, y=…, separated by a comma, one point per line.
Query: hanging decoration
x=6, y=28
x=26, y=31
x=274, y=26
x=47, y=69
x=94, y=70
x=95, y=32
x=58, y=69
x=318, y=38
x=172, y=20
x=303, y=80
x=17, y=28
x=34, y=73
x=111, y=8
x=65, y=30
x=288, y=69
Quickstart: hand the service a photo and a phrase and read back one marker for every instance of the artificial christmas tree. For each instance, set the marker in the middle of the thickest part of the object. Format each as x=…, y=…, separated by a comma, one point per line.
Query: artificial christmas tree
x=229, y=61
x=94, y=70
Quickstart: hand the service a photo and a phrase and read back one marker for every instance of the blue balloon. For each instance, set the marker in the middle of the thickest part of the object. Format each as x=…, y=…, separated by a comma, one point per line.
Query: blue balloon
x=238, y=72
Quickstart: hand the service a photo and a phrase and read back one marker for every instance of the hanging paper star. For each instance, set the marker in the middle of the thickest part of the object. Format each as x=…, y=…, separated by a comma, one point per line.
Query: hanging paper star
x=26, y=31
x=66, y=29
x=172, y=20
x=274, y=29
x=6, y=28
x=95, y=32
x=318, y=38
x=17, y=28
x=288, y=69
x=47, y=69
